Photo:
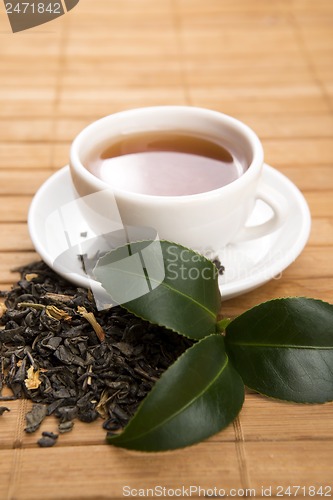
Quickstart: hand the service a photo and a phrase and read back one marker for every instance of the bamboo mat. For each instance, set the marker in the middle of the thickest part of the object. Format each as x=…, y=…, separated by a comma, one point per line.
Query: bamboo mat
x=266, y=62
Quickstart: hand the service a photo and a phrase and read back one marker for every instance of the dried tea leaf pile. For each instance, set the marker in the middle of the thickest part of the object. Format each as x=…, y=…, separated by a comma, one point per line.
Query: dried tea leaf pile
x=73, y=361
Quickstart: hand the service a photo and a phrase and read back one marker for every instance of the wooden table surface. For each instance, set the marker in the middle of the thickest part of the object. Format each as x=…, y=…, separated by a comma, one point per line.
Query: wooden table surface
x=267, y=62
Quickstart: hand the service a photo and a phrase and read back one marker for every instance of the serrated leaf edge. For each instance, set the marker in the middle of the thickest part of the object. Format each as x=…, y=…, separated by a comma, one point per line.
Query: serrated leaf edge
x=194, y=301
x=291, y=401
x=291, y=297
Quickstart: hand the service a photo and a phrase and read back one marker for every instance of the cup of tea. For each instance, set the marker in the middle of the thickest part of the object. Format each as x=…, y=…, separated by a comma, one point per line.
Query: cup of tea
x=192, y=175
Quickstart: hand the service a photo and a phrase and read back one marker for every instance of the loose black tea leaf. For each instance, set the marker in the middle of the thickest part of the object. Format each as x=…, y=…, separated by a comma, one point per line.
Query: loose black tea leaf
x=47, y=440
x=35, y=417
x=74, y=361
x=220, y=268
x=50, y=435
x=3, y=409
x=65, y=427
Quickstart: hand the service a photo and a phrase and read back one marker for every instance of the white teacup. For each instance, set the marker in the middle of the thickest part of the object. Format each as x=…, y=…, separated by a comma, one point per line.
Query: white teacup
x=204, y=221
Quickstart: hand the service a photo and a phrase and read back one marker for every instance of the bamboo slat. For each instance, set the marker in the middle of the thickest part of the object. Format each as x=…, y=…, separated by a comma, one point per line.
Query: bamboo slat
x=22, y=182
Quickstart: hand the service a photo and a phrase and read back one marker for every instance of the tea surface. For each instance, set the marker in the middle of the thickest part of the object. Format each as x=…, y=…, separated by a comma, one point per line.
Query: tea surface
x=166, y=164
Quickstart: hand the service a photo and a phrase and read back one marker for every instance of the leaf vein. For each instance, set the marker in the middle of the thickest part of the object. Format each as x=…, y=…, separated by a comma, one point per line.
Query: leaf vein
x=175, y=290
x=282, y=346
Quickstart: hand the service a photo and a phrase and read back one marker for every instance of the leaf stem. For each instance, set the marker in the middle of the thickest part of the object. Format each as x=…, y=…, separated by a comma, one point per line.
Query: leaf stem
x=222, y=324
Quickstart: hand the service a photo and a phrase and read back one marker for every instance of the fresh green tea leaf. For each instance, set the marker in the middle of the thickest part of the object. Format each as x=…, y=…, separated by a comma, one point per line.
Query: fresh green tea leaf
x=284, y=349
x=200, y=394
x=222, y=324
x=164, y=283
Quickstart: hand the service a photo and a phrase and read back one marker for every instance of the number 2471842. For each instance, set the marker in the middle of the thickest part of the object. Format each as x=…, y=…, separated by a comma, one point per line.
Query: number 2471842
x=33, y=8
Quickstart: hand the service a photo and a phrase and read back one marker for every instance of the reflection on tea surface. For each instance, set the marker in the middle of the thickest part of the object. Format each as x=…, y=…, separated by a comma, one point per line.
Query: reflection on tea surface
x=165, y=164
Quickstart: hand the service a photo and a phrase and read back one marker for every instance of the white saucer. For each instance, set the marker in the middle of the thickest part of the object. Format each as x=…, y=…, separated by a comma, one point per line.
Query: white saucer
x=247, y=265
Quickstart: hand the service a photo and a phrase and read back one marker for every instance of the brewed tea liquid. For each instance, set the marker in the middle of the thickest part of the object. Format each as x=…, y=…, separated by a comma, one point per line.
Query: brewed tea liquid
x=165, y=164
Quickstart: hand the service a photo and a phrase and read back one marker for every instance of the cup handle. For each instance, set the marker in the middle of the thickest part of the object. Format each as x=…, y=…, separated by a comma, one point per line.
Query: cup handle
x=278, y=204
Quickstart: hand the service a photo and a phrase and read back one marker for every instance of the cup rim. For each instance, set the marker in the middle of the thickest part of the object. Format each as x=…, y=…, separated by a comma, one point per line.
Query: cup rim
x=98, y=184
